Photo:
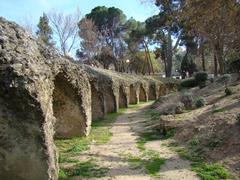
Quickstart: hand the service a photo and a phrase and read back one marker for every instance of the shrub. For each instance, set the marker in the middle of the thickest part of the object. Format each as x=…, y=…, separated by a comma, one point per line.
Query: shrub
x=188, y=83
x=200, y=102
x=226, y=78
x=234, y=66
x=202, y=85
x=228, y=91
x=179, y=108
x=201, y=77
x=188, y=100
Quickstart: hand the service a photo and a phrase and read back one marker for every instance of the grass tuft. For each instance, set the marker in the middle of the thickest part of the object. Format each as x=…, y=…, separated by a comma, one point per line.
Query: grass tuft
x=149, y=160
x=211, y=171
x=206, y=171
x=153, y=136
x=70, y=148
x=85, y=169
x=65, y=159
x=217, y=110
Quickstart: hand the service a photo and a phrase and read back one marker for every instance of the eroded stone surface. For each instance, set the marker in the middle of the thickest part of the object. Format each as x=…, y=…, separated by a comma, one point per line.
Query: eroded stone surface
x=133, y=99
x=27, y=76
x=43, y=95
x=142, y=94
x=152, y=92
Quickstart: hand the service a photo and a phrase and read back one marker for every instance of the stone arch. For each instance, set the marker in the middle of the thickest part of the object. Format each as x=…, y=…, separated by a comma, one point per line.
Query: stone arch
x=122, y=99
x=98, y=111
x=109, y=100
x=133, y=95
x=152, y=92
x=162, y=90
x=26, y=141
x=142, y=94
x=67, y=109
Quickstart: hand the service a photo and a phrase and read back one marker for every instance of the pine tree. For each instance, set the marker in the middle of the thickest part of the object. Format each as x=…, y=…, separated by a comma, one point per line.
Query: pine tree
x=44, y=32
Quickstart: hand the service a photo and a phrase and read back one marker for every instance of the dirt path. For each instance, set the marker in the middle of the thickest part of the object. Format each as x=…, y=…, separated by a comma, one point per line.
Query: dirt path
x=124, y=141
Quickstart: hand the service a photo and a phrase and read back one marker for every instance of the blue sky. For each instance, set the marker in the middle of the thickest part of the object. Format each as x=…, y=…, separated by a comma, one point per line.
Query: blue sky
x=18, y=10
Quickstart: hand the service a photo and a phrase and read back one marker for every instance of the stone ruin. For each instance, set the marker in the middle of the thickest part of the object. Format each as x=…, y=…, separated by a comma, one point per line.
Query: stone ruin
x=44, y=96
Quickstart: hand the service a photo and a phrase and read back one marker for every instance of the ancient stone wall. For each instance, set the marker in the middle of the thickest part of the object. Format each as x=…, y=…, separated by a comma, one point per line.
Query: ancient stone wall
x=152, y=91
x=142, y=93
x=134, y=99
x=44, y=96
x=122, y=98
x=30, y=92
x=98, y=109
x=67, y=109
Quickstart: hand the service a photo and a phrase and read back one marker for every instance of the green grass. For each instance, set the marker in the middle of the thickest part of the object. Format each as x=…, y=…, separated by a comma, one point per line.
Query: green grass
x=217, y=110
x=134, y=161
x=145, y=137
x=87, y=169
x=213, y=143
x=65, y=159
x=100, y=134
x=194, y=153
x=140, y=144
x=155, y=115
x=153, y=163
x=194, y=142
x=153, y=136
x=169, y=134
x=149, y=160
x=211, y=171
x=70, y=148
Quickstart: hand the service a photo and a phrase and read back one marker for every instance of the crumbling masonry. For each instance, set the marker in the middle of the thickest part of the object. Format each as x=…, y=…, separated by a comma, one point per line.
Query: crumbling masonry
x=44, y=96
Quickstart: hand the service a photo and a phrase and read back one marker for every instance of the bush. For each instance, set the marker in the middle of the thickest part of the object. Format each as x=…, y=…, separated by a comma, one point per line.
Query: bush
x=188, y=83
x=188, y=65
x=179, y=108
x=234, y=66
x=188, y=100
x=200, y=102
x=202, y=85
x=228, y=92
x=226, y=78
x=201, y=77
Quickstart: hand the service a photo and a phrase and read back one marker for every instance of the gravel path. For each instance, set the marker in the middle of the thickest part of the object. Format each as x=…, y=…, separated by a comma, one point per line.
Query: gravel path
x=124, y=141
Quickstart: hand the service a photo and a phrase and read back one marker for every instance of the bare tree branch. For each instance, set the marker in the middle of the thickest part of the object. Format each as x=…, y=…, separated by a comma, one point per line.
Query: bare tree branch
x=65, y=28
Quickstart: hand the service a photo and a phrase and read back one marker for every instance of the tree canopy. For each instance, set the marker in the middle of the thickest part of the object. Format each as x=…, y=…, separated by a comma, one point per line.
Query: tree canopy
x=205, y=32
x=44, y=32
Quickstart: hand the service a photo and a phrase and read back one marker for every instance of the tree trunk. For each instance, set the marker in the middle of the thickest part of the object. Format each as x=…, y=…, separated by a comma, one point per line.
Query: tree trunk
x=220, y=60
x=218, y=48
x=169, y=54
x=215, y=66
x=203, y=59
x=149, y=58
x=165, y=66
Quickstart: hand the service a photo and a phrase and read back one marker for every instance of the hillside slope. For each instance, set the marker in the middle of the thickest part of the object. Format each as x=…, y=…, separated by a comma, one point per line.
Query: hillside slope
x=210, y=133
